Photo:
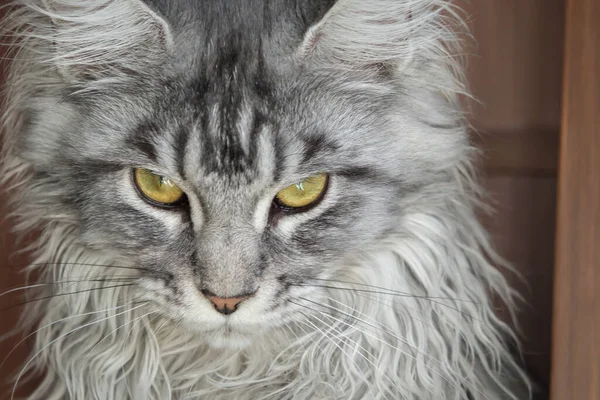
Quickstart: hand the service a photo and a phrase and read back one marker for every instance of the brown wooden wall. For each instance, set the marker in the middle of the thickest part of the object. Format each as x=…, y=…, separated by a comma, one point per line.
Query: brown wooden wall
x=515, y=70
x=576, y=342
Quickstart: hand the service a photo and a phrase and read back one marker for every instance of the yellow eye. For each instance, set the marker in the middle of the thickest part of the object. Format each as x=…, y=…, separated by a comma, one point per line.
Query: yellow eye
x=156, y=188
x=304, y=193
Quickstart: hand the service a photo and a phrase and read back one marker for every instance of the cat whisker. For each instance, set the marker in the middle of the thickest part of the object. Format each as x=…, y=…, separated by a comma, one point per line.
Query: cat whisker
x=346, y=338
x=62, y=337
x=310, y=335
x=57, y=321
x=362, y=331
x=351, y=326
x=162, y=325
x=298, y=343
x=38, y=285
x=63, y=294
x=330, y=338
x=371, y=325
x=385, y=290
x=391, y=304
x=386, y=331
x=82, y=264
x=113, y=332
x=465, y=315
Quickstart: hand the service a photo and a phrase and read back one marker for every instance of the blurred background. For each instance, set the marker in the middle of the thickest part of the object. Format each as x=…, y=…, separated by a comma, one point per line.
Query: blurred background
x=515, y=69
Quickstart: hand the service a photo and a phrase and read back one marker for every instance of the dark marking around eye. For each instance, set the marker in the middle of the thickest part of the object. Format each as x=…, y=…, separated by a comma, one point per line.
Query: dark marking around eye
x=119, y=216
x=275, y=215
x=286, y=283
x=335, y=216
x=316, y=144
x=308, y=241
x=93, y=168
x=183, y=135
x=359, y=173
x=142, y=139
x=195, y=263
x=194, y=258
x=262, y=266
x=169, y=280
x=88, y=172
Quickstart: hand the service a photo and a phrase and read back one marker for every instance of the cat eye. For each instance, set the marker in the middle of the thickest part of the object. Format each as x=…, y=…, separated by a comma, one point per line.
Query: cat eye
x=156, y=189
x=305, y=193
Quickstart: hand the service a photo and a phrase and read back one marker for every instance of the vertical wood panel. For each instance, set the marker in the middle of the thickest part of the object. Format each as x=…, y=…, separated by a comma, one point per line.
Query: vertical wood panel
x=515, y=71
x=514, y=63
x=576, y=341
x=9, y=278
x=523, y=230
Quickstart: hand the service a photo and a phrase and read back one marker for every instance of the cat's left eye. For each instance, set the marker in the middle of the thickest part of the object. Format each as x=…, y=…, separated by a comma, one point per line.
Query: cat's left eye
x=303, y=194
x=156, y=189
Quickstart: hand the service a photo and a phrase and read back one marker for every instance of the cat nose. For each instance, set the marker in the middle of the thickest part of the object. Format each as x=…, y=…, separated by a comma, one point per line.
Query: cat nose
x=225, y=305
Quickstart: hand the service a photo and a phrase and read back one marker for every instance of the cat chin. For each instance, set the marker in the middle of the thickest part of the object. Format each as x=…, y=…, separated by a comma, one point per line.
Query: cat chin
x=227, y=340
x=221, y=336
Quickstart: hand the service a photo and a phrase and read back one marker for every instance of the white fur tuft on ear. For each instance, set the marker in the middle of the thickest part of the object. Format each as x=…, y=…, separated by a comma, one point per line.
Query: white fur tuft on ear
x=91, y=39
x=357, y=33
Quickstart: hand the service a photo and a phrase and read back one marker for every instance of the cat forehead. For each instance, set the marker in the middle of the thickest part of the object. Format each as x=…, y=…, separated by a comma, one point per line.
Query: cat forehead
x=231, y=129
x=235, y=122
x=236, y=119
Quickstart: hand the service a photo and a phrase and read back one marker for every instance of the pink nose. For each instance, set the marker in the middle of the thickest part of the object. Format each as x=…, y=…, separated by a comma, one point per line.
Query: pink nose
x=227, y=305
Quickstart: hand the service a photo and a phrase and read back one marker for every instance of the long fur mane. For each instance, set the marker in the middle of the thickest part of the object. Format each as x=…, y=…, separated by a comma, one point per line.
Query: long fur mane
x=417, y=318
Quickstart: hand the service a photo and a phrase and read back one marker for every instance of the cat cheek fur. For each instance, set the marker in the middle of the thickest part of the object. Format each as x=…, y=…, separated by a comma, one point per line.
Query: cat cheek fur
x=386, y=289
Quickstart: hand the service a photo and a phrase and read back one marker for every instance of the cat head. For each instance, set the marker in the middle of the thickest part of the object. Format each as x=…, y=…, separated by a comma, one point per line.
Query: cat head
x=235, y=153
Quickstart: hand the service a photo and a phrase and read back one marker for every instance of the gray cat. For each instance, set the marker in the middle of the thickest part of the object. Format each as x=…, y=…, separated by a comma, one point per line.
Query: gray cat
x=251, y=199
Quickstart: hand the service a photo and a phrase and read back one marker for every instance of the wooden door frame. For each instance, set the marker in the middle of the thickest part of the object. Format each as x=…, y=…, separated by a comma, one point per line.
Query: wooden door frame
x=576, y=327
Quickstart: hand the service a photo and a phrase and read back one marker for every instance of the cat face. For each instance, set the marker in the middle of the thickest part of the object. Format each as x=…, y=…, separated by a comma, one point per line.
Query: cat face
x=231, y=128
x=231, y=154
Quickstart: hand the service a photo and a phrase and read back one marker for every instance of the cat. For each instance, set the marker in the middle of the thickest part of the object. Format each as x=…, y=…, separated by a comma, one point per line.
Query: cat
x=252, y=200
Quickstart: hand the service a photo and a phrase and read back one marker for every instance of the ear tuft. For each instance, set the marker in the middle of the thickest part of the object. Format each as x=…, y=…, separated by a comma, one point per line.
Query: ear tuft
x=364, y=33
x=94, y=39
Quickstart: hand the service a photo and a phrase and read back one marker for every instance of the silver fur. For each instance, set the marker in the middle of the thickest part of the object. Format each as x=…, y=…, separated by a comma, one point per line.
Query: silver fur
x=385, y=290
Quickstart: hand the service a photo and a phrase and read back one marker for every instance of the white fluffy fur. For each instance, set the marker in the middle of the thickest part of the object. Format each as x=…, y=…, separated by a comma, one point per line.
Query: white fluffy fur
x=433, y=330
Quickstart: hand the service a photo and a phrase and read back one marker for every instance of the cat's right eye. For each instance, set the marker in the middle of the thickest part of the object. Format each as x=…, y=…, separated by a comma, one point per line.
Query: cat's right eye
x=156, y=189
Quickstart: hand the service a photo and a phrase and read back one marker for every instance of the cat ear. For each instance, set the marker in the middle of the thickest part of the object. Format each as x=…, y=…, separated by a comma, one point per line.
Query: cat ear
x=367, y=33
x=95, y=39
